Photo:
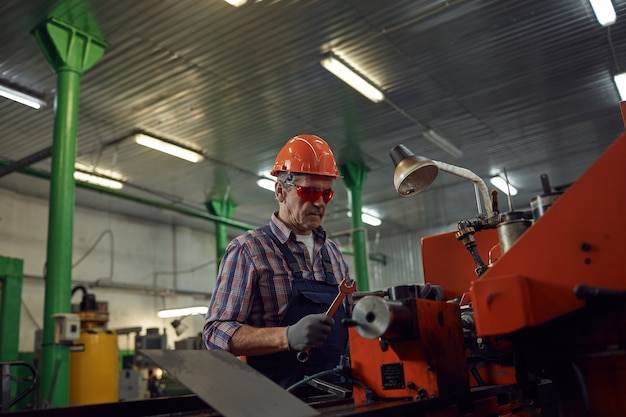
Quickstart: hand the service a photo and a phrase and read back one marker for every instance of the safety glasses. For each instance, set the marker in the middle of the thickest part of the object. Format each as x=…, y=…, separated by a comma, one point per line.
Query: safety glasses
x=312, y=194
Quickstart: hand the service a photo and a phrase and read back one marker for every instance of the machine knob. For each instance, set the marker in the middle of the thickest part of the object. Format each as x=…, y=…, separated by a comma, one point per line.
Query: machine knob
x=378, y=317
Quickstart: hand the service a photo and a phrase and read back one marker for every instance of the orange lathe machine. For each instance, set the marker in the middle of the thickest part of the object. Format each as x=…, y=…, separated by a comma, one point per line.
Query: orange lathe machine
x=537, y=329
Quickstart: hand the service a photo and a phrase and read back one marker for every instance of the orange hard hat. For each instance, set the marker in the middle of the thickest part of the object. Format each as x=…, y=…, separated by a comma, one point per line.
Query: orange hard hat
x=306, y=154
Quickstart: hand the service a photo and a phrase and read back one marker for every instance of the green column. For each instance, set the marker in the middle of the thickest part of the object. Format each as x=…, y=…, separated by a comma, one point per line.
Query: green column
x=354, y=174
x=10, y=306
x=11, y=275
x=70, y=52
x=223, y=208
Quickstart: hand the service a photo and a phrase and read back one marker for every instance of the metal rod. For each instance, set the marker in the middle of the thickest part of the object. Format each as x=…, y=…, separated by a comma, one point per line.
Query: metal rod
x=26, y=161
x=508, y=189
x=478, y=198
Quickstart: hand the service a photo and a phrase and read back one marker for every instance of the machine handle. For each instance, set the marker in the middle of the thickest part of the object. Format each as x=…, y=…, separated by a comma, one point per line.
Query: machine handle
x=585, y=292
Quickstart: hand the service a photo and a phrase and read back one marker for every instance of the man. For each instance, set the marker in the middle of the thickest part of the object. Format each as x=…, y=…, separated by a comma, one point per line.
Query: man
x=275, y=283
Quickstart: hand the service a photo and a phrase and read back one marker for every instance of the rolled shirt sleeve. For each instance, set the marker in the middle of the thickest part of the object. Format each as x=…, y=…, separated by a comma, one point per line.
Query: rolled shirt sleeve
x=230, y=303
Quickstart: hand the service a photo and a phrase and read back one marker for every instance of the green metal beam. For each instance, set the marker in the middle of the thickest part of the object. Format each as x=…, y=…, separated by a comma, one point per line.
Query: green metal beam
x=221, y=204
x=137, y=199
x=223, y=209
x=354, y=174
x=380, y=258
x=11, y=276
x=70, y=52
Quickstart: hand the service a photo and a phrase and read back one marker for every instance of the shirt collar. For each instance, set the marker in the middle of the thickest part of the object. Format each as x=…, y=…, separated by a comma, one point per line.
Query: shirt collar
x=283, y=232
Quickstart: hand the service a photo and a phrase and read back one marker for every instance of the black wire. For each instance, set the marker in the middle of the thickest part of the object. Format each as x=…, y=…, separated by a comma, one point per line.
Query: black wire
x=477, y=377
x=33, y=383
x=369, y=393
x=309, y=378
x=583, y=389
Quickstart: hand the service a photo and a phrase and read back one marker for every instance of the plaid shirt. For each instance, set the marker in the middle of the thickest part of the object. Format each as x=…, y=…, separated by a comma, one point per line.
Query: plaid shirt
x=254, y=281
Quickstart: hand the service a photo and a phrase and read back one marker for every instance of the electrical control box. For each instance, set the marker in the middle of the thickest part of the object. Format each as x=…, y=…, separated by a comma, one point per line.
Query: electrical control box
x=66, y=328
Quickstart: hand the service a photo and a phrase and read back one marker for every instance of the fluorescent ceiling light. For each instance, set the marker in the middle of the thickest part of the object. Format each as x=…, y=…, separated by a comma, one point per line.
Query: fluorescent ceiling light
x=168, y=148
x=351, y=78
x=620, y=82
x=179, y=312
x=236, y=3
x=20, y=97
x=93, y=175
x=97, y=180
x=370, y=219
x=605, y=13
x=266, y=183
x=501, y=184
x=443, y=142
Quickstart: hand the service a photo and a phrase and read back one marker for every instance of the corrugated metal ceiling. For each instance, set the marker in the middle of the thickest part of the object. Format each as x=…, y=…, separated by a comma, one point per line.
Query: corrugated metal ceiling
x=525, y=86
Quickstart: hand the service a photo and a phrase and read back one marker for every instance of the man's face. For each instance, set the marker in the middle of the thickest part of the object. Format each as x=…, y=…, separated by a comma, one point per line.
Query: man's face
x=295, y=211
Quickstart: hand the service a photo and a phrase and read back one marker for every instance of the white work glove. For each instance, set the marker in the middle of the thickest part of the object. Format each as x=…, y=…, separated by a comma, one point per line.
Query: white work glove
x=311, y=331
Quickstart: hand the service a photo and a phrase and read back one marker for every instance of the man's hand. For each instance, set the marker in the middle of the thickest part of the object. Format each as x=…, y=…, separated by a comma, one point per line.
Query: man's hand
x=310, y=332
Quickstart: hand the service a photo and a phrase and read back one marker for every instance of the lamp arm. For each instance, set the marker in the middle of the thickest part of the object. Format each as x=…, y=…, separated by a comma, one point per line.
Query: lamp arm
x=469, y=175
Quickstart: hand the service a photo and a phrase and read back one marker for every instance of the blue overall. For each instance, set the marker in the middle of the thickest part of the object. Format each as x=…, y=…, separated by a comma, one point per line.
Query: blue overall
x=307, y=297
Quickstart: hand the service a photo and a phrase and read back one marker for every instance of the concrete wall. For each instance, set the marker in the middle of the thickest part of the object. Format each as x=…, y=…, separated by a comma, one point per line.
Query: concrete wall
x=138, y=267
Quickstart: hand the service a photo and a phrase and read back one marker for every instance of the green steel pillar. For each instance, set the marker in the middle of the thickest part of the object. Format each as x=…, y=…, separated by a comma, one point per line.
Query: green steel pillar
x=10, y=307
x=70, y=52
x=223, y=208
x=354, y=174
x=11, y=275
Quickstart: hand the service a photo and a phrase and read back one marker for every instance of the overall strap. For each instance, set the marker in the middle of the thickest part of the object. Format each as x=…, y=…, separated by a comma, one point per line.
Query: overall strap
x=293, y=263
x=328, y=267
x=291, y=260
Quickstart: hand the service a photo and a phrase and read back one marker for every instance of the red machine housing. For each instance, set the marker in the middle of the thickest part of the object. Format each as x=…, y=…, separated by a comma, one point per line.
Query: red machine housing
x=430, y=363
x=579, y=240
x=555, y=298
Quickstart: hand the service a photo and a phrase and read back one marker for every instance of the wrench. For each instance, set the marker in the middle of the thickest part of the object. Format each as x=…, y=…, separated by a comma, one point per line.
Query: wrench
x=346, y=286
